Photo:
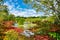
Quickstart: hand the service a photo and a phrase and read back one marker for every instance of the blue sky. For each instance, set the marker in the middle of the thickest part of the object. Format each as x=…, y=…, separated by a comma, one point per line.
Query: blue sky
x=19, y=8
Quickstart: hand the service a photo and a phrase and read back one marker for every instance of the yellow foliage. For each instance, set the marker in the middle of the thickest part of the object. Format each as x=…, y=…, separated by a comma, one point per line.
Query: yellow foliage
x=11, y=35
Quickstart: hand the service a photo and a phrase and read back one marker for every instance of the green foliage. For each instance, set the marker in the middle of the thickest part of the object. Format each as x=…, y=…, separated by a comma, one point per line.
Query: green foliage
x=26, y=1
x=42, y=27
x=55, y=35
x=1, y=2
x=51, y=19
x=11, y=35
x=20, y=20
x=52, y=34
x=10, y=17
x=58, y=36
x=3, y=12
x=46, y=6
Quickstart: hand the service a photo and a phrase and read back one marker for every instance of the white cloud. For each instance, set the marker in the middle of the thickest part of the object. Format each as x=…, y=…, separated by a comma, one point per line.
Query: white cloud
x=10, y=7
x=25, y=13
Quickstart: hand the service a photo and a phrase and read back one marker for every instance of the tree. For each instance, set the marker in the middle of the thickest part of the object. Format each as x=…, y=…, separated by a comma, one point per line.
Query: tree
x=3, y=11
x=3, y=14
x=20, y=20
x=1, y=2
x=47, y=6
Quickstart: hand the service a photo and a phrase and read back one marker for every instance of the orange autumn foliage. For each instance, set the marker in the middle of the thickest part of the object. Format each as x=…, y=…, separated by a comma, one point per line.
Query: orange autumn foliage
x=55, y=28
